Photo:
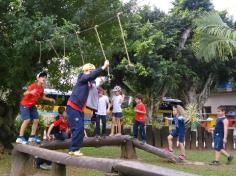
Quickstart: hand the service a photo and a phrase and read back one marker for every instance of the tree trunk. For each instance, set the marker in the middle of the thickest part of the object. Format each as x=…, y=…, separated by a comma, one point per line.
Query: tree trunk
x=7, y=124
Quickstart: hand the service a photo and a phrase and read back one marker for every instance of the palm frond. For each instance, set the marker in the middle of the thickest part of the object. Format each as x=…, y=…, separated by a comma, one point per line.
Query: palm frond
x=217, y=40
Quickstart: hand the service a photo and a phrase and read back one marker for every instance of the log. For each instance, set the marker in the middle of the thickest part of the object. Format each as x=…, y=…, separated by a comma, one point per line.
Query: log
x=157, y=151
x=128, y=150
x=58, y=169
x=22, y=164
x=137, y=168
x=88, y=142
x=126, y=168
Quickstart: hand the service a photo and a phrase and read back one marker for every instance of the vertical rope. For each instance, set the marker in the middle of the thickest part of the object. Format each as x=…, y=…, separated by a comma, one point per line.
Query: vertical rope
x=40, y=51
x=53, y=48
x=77, y=36
x=103, y=52
x=64, y=45
x=123, y=37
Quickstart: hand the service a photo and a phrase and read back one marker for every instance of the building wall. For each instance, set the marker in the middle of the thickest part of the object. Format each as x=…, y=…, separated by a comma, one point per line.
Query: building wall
x=217, y=99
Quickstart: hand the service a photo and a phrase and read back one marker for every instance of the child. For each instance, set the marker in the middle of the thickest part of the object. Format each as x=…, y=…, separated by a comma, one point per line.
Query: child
x=220, y=136
x=77, y=102
x=179, y=117
x=28, y=109
x=60, y=127
x=139, y=118
x=103, y=110
x=117, y=100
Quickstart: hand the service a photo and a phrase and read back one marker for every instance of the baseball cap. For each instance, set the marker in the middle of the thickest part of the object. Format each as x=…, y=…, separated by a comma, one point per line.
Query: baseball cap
x=42, y=74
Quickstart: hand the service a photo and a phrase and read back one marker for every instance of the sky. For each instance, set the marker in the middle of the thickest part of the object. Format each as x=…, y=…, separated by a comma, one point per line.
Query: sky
x=165, y=5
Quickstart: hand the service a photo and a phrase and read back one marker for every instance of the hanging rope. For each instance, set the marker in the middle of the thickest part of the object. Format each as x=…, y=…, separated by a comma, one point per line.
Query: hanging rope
x=77, y=36
x=103, y=52
x=64, y=46
x=123, y=37
x=40, y=51
x=53, y=48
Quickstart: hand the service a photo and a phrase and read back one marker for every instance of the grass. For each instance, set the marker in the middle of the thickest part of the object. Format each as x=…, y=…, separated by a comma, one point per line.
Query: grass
x=114, y=152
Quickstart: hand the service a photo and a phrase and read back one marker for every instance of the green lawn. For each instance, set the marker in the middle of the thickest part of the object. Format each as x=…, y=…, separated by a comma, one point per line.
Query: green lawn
x=114, y=152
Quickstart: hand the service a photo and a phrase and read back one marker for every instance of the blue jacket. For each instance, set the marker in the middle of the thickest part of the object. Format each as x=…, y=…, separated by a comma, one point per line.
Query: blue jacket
x=80, y=91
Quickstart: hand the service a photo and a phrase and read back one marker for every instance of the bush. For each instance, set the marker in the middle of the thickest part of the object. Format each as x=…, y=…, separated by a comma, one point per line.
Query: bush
x=129, y=116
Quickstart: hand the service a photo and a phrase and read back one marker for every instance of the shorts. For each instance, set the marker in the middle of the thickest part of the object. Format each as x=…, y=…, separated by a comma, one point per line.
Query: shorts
x=218, y=143
x=117, y=114
x=28, y=113
x=175, y=134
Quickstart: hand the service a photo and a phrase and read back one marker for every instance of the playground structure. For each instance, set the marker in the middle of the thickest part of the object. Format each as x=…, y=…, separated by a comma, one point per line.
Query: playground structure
x=23, y=155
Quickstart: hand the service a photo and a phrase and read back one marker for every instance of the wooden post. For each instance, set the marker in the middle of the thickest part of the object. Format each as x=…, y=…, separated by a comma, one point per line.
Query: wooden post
x=164, y=134
x=208, y=140
x=200, y=137
x=128, y=150
x=230, y=141
x=193, y=140
x=156, y=137
x=21, y=164
x=58, y=169
x=149, y=134
x=187, y=138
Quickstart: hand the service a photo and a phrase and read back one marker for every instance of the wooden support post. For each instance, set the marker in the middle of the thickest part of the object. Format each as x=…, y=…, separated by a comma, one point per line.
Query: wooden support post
x=58, y=169
x=230, y=141
x=187, y=138
x=164, y=134
x=128, y=150
x=193, y=140
x=200, y=137
x=208, y=140
x=149, y=135
x=21, y=164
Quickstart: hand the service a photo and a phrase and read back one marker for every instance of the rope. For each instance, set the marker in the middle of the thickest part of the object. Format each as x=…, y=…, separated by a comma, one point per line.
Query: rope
x=53, y=48
x=64, y=43
x=103, y=52
x=40, y=51
x=77, y=35
x=123, y=37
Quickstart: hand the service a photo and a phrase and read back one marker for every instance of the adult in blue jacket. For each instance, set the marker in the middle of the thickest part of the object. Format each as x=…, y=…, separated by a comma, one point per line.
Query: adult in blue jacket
x=77, y=102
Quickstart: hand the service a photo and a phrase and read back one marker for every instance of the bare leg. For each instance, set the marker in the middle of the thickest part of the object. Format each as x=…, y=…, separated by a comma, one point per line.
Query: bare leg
x=112, y=126
x=217, y=155
x=170, y=143
x=34, y=126
x=224, y=153
x=182, y=149
x=119, y=126
x=24, y=126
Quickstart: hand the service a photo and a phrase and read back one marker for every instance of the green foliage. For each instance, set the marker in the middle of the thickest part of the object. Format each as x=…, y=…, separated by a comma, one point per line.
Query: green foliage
x=216, y=38
x=41, y=127
x=129, y=116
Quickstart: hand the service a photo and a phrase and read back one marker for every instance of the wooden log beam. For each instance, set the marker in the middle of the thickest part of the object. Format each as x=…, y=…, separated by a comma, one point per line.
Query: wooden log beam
x=137, y=168
x=127, y=168
x=100, y=164
x=157, y=151
x=88, y=142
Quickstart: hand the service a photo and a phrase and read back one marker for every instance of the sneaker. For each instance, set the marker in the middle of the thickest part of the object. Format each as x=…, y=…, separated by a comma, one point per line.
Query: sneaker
x=111, y=134
x=45, y=166
x=230, y=158
x=35, y=139
x=215, y=163
x=182, y=157
x=76, y=153
x=143, y=142
x=21, y=140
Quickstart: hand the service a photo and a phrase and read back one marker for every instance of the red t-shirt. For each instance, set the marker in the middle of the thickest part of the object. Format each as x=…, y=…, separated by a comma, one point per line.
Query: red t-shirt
x=62, y=124
x=31, y=100
x=140, y=116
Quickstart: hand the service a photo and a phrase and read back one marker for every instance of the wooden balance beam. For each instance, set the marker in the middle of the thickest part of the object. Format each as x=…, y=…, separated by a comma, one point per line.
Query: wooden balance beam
x=22, y=153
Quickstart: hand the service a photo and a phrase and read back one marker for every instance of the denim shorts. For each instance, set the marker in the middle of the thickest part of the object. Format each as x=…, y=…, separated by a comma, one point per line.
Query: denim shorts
x=28, y=112
x=176, y=133
x=218, y=143
x=117, y=114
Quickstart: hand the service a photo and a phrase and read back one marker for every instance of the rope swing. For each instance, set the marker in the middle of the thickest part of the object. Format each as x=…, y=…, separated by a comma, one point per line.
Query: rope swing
x=103, y=52
x=81, y=53
x=40, y=51
x=130, y=66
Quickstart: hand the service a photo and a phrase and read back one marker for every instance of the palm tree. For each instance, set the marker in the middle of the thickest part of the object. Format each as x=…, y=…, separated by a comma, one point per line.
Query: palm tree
x=215, y=38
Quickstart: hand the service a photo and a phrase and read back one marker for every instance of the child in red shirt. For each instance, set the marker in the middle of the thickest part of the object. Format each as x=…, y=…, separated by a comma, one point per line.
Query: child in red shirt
x=28, y=109
x=139, y=119
x=60, y=127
